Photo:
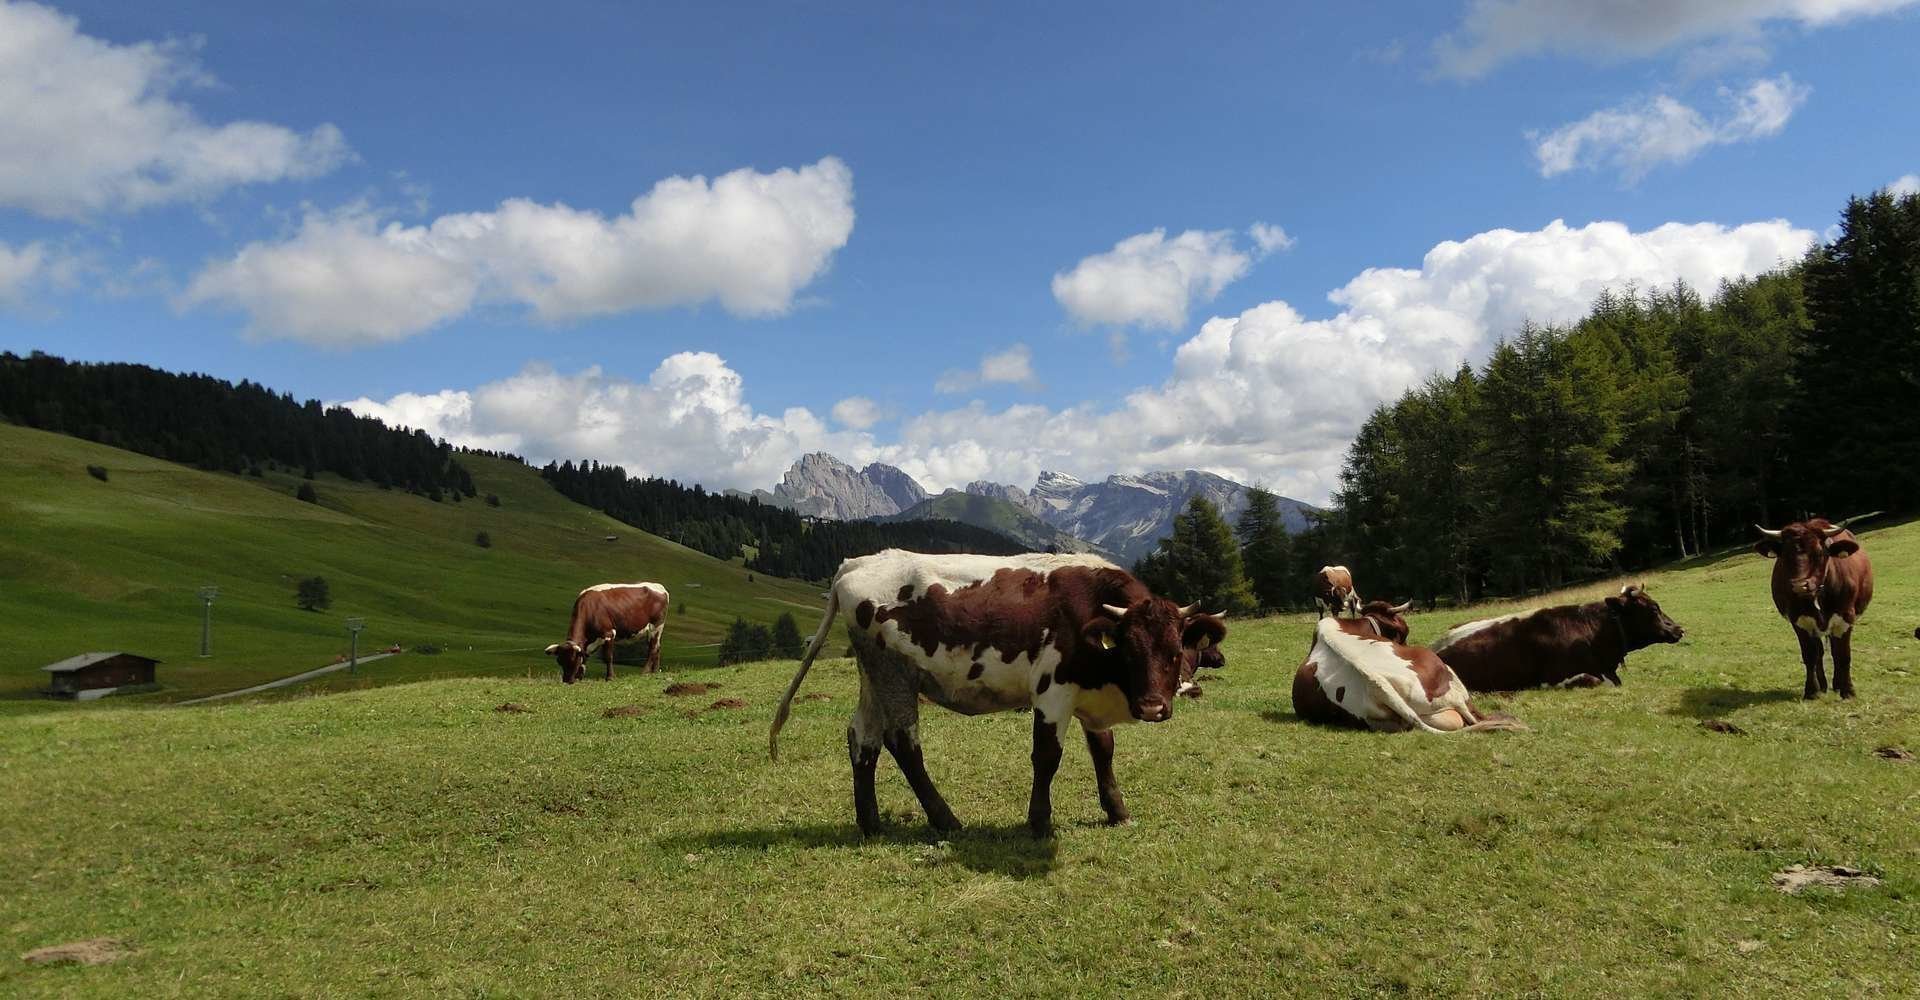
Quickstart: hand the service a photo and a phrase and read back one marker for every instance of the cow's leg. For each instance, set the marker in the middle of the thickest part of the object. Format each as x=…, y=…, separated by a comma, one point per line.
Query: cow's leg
x=904, y=745
x=1100, y=748
x=653, y=654
x=1046, y=761
x=606, y=653
x=1842, y=663
x=863, y=749
x=1811, y=655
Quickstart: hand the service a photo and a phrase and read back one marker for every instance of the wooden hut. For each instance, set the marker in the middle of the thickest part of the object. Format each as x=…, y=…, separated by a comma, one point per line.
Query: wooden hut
x=96, y=675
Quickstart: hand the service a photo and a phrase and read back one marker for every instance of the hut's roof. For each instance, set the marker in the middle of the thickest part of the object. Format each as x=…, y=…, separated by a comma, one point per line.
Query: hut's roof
x=72, y=663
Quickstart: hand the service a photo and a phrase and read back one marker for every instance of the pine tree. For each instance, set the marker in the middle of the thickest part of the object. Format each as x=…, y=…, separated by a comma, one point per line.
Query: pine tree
x=1200, y=562
x=787, y=643
x=313, y=594
x=1265, y=550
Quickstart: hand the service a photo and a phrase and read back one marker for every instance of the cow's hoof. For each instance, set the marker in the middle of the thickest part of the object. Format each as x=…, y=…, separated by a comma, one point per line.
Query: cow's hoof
x=947, y=825
x=1846, y=694
x=1810, y=695
x=1041, y=831
x=1121, y=820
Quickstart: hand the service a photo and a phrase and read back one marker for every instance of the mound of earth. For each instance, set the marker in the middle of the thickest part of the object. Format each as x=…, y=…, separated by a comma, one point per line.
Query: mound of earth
x=1800, y=877
x=93, y=951
x=682, y=688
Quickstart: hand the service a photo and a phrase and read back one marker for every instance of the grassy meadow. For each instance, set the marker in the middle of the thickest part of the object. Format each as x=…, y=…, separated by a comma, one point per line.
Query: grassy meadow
x=89, y=565
x=414, y=840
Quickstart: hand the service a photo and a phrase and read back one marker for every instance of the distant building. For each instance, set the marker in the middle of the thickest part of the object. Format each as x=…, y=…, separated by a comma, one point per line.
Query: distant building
x=96, y=675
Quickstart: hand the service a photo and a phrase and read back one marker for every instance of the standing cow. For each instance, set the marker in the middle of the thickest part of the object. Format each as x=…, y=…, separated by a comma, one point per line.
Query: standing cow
x=1575, y=645
x=1359, y=677
x=607, y=612
x=1070, y=636
x=1333, y=592
x=1822, y=582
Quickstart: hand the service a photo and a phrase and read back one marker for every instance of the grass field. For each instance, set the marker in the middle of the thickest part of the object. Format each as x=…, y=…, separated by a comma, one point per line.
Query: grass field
x=412, y=840
x=89, y=565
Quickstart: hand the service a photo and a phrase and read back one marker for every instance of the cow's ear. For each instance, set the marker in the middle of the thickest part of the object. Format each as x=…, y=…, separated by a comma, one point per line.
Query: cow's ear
x=1842, y=548
x=1615, y=602
x=1203, y=628
x=1767, y=547
x=1098, y=632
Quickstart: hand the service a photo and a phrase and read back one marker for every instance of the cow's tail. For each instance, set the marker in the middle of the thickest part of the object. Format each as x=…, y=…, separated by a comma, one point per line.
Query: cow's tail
x=1485, y=722
x=806, y=663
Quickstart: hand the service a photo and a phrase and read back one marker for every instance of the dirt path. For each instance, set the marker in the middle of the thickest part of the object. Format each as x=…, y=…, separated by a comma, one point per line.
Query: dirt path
x=284, y=681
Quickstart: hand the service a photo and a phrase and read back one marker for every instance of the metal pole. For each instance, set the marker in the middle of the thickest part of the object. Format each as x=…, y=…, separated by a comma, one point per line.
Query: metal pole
x=207, y=594
x=354, y=625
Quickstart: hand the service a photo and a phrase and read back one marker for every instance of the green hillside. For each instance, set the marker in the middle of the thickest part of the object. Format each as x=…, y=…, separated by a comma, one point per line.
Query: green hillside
x=994, y=514
x=417, y=841
x=90, y=565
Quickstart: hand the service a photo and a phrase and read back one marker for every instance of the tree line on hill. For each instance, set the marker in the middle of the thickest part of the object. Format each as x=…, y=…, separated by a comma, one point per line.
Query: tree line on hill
x=1661, y=425
x=1254, y=565
x=216, y=425
x=777, y=542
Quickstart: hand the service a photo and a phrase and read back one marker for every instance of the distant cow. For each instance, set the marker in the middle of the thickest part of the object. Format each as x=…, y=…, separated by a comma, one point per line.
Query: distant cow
x=1386, y=621
x=609, y=612
x=1576, y=645
x=1354, y=676
x=1070, y=636
x=1333, y=592
x=1822, y=582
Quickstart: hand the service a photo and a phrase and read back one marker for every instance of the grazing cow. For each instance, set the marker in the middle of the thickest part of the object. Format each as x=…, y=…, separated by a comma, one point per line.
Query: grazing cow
x=1574, y=645
x=1333, y=592
x=1822, y=582
x=1070, y=636
x=1357, y=677
x=610, y=611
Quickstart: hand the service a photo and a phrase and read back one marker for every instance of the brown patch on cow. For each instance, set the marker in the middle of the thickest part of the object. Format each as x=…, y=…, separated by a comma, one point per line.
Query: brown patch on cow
x=680, y=689
x=1434, y=676
x=1894, y=753
x=1722, y=726
x=816, y=696
x=974, y=672
x=512, y=708
x=1012, y=611
x=728, y=703
x=1310, y=701
x=863, y=614
x=93, y=951
x=1801, y=877
x=1046, y=681
x=622, y=712
x=906, y=592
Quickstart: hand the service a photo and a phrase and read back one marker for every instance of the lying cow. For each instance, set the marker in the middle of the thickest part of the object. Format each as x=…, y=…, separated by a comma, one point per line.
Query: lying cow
x=609, y=612
x=1574, y=645
x=1070, y=636
x=1822, y=582
x=1333, y=592
x=1355, y=676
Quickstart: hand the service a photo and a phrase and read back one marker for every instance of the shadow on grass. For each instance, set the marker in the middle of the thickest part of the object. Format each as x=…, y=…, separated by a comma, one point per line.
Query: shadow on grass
x=1713, y=702
x=999, y=850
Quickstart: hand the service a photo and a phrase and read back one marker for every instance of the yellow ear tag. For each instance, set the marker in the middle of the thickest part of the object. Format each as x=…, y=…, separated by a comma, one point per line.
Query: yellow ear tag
x=1106, y=640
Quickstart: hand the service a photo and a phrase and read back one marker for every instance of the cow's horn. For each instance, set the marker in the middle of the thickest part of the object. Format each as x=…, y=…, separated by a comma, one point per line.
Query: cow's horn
x=1832, y=530
x=1769, y=532
x=553, y=648
x=1115, y=610
x=1187, y=612
x=1401, y=609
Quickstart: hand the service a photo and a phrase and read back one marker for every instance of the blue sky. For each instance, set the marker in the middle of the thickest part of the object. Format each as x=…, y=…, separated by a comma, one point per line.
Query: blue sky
x=429, y=209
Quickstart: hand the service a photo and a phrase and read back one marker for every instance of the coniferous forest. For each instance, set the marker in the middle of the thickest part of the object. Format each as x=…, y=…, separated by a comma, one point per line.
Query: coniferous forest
x=1662, y=425
x=216, y=425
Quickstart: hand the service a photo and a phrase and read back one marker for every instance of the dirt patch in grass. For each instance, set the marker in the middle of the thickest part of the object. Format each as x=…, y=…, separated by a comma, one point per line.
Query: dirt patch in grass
x=816, y=696
x=728, y=703
x=512, y=708
x=1800, y=877
x=622, y=712
x=93, y=951
x=681, y=689
x=1895, y=753
x=1722, y=726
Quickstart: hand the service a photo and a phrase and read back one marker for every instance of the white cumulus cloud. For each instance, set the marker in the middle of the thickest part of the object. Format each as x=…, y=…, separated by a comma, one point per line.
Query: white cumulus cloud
x=19, y=268
x=1635, y=138
x=1269, y=239
x=1494, y=31
x=746, y=240
x=1013, y=366
x=1905, y=184
x=1150, y=280
x=857, y=413
x=688, y=421
x=88, y=126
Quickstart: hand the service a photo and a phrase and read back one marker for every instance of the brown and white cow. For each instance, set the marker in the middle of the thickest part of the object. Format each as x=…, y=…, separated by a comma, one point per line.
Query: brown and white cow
x=1574, y=645
x=1333, y=592
x=1357, y=677
x=1822, y=583
x=1069, y=636
x=607, y=612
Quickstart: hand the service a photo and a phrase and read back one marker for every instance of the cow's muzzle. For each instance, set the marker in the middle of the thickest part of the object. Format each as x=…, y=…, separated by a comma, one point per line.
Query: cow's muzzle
x=1153, y=710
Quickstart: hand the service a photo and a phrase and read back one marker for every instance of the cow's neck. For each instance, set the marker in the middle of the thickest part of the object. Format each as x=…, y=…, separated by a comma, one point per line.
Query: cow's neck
x=1619, y=634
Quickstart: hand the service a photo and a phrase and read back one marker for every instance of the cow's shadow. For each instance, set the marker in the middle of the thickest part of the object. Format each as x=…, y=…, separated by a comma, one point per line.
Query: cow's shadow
x=1008, y=850
x=1714, y=702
